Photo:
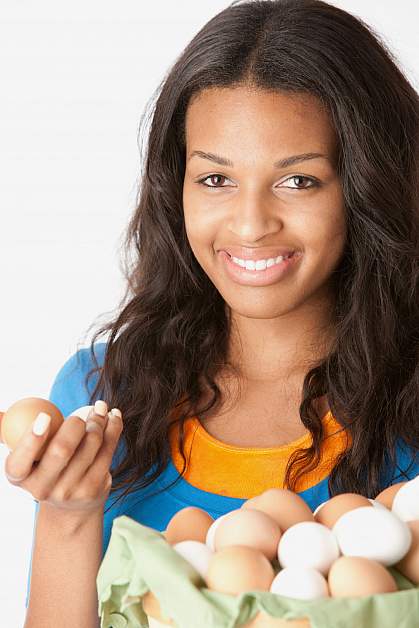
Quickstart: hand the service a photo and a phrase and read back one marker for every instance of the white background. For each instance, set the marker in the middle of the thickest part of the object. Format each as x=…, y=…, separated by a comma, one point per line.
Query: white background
x=75, y=78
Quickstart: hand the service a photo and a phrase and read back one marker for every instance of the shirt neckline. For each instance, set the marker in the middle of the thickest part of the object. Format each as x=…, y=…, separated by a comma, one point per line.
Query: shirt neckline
x=202, y=433
x=243, y=472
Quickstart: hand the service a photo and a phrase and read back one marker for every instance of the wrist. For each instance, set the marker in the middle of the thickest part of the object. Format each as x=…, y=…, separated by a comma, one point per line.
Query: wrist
x=70, y=521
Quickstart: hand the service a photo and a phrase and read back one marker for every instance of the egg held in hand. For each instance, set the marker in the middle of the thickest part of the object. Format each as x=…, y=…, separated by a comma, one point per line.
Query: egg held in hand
x=82, y=412
x=18, y=420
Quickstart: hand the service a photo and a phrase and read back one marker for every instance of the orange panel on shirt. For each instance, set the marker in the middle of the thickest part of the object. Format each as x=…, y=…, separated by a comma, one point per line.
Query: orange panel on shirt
x=244, y=472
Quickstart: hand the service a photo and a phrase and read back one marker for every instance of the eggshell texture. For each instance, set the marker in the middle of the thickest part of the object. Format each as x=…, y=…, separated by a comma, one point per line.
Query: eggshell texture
x=387, y=496
x=196, y=553
x=18, y=420
x=301, y=583
x=249, y=527
x=352, y=576
x=406, y=501
x=188, y=524
x=239, y=568
x=376, y=504
x=318, y=508
x=337, y=506
x=81, y=412
x=211, y=531
x=373, y=533
x=409, y=565
x=310, y=545
x=284, y=506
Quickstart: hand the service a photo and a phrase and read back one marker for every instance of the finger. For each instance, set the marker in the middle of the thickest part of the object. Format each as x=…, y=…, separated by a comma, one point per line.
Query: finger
x=20, y=461
x=98, y=414
x=86, y=451
x=103, y=460
x=53, y=460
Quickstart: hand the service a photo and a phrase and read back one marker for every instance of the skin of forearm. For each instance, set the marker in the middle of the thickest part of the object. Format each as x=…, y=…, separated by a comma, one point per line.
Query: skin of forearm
x=66, y=559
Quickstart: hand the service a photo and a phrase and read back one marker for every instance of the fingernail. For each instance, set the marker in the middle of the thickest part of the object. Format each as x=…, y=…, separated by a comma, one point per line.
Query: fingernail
x=41, y=423
x=101, y=408
x=116, y=412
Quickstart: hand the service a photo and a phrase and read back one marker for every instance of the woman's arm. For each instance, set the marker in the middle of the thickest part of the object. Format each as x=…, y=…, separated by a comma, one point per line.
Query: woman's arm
x=66, y=559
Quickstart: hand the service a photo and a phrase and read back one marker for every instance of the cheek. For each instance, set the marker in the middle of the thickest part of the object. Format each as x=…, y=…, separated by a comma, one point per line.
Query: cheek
x=200, y=236
x=200, y=223
x=326, y=225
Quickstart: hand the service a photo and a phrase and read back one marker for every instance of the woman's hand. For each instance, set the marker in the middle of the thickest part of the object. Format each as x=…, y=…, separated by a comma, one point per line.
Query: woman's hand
x=73, y=473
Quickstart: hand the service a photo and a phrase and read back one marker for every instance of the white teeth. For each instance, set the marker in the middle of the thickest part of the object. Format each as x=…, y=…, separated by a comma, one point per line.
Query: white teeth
x=261, y=264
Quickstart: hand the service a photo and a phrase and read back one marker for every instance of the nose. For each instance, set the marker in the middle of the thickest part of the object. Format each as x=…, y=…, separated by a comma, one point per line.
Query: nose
x=253, y=215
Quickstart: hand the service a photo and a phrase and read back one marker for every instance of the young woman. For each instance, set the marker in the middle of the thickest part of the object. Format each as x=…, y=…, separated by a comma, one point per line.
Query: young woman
x=285, y=129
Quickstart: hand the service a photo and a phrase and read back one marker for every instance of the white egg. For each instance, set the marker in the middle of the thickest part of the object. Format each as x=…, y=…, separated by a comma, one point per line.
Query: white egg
x=82, y=412
x=318, y=508
x=196, y=553
x=377, y=504
x=373, y=533
x=300, y=582
x=406, y=501
x=209, y=539
x=308, y=544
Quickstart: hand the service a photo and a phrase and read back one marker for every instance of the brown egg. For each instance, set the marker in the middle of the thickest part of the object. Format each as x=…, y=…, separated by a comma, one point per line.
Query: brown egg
x=283, y=505
x=239, y=568
x=352, y=576
x=335, y=507
x=18, y=419
x=252, y=528
x=409, y=565
x=386, y=497
x=188, y=524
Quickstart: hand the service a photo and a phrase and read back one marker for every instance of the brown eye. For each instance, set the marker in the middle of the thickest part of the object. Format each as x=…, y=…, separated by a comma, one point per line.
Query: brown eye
x=212, y=176
x=300, y=180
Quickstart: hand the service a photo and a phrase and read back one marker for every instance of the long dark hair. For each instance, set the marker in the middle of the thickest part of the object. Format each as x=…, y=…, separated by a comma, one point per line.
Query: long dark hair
x=169, y=338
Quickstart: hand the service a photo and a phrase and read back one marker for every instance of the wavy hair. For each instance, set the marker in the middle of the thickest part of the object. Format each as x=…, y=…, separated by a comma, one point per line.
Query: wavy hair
x=169, y=337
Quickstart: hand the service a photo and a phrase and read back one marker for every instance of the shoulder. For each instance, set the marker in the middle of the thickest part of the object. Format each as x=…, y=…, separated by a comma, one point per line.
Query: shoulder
x=70, y=389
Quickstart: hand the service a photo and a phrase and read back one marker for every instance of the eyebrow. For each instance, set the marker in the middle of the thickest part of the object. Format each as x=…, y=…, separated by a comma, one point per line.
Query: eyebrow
x=281, y=163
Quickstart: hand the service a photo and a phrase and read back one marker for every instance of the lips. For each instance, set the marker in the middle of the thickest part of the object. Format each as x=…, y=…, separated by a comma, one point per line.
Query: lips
x=255, y=254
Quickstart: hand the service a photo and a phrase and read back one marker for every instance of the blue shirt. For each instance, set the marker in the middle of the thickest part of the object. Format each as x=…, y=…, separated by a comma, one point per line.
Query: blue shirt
x=145, y=505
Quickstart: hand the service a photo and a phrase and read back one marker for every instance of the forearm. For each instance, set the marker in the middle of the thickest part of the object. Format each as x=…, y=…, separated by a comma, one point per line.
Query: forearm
x=65, y=562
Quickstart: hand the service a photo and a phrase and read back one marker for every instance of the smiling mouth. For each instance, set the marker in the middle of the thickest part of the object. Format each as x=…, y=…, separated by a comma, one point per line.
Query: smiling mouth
x=276, y=260
x=258, y=276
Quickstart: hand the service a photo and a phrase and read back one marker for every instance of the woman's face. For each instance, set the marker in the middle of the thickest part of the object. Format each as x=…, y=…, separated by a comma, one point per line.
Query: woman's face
x=252, y=203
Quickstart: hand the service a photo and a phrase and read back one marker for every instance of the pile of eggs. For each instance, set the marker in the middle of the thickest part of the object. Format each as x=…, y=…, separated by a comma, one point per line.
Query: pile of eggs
x=275, y=543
